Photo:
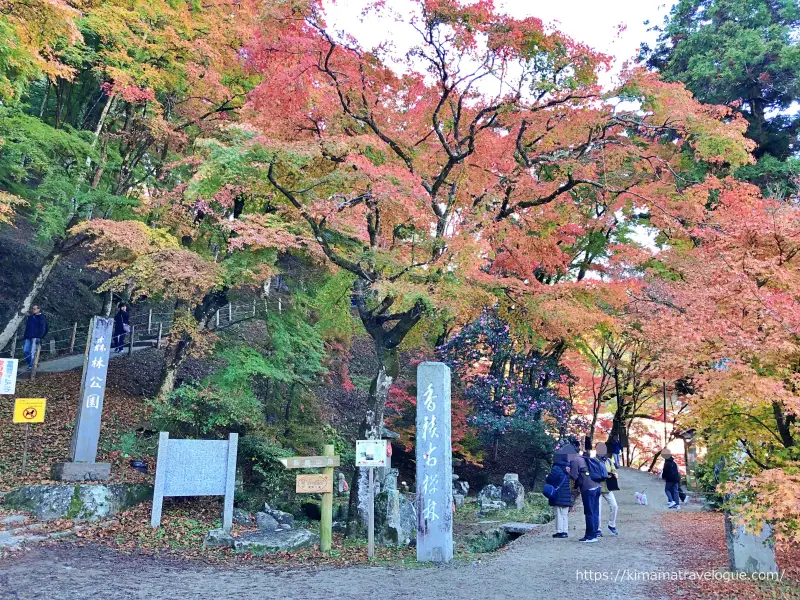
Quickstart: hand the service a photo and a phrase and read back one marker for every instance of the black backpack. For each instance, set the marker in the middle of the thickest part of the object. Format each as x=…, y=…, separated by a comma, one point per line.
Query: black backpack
x=597, y=470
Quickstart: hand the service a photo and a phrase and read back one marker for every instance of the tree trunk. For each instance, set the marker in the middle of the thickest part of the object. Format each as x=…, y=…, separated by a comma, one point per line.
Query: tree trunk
x=44, y=100
x=60, y=249
x=177, y=350
x=108, y=303
x=25, y=305
x=388, y=366
x=784, y=424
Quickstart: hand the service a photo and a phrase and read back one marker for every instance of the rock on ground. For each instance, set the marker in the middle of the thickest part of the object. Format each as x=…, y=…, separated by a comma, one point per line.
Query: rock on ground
x=218, y=538
x=285, y=520
x=81, y=502
x=512, y=492
x=242, y=517
x=395, y=519
x=489, y=493
x=266, y=522
x=271, y=542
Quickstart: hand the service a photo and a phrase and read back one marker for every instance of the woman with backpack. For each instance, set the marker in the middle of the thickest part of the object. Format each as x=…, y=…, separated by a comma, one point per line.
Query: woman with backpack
x=558, y=491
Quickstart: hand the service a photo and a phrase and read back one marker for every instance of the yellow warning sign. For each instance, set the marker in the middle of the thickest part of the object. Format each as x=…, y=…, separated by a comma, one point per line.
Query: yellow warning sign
x=29, y=410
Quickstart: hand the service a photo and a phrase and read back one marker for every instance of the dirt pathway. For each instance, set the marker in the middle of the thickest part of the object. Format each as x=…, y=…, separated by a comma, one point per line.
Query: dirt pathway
x=535, y=566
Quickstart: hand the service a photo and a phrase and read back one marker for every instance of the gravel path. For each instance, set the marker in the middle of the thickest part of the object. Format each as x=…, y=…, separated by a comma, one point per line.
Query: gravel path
x=535, y=566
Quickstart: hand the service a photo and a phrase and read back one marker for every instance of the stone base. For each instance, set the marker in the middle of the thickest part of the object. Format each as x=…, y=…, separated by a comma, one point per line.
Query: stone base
x=71, y=471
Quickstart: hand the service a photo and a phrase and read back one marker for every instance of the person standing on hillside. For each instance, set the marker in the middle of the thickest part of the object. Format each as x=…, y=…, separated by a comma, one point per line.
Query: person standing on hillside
x=562, y=499
x=672, y=476
x=590, y=495
x=35, y=330
x=615, y=448
x=607, y=490
x=121, y=327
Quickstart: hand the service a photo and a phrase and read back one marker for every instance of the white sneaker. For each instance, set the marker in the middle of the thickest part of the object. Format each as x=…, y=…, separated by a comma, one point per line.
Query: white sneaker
x=670, y=504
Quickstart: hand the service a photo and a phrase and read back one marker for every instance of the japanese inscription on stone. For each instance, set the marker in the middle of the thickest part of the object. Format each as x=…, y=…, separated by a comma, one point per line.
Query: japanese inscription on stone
x=93, y=387
x=434, y=464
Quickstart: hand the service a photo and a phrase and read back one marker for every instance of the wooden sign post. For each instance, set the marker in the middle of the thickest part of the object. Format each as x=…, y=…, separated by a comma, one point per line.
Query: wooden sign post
x=317, y=484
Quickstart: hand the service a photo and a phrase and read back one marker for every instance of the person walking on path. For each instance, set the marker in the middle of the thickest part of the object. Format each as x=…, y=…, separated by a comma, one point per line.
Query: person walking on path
x=672, y=476
x=35, y=330
x=121, y=327
x=590, y=495
x=562, y=499
x=615, y=448
x=607, y=490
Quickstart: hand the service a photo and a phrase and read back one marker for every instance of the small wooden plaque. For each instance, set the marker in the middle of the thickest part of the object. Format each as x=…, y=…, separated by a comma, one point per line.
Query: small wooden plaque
x=314, y=484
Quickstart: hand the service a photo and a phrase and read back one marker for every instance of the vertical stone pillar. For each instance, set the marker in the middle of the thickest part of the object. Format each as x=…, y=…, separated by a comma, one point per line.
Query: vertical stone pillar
x=434, y=464
x=93, y=388
x=85, y=437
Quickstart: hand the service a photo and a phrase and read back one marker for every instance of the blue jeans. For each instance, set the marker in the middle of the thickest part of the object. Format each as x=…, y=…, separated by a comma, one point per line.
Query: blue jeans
x=29, y=350
x=672, y=491
x=591, y=511
x=617, y=459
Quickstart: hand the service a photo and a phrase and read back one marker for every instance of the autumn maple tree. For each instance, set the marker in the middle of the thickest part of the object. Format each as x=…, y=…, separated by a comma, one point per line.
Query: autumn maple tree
x=103, y=97
x=490, y=162
x=729, y=311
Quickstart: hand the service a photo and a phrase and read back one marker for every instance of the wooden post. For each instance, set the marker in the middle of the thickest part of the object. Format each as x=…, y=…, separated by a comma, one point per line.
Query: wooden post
x=326, y=525
x=371, y=519
x=13, y=345
x=160, y=332
x=36, y=360
x=130, y=342
x=52, y=346
x=25, y=448
x=149, y=321
x=72, y=339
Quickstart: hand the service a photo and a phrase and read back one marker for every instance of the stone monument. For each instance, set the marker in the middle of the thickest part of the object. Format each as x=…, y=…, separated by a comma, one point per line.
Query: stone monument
x=434, y=464
x=749, y=553
x=85, y=437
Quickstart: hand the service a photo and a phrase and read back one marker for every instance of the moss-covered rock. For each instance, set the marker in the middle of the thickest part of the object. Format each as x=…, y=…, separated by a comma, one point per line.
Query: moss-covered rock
x=82, y=502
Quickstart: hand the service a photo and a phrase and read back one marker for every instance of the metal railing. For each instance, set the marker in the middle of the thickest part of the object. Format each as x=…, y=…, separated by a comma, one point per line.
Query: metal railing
x=147, y=329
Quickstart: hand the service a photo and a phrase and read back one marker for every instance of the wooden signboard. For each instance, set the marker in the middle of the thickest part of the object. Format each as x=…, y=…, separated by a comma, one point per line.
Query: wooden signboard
x=309, y=462
x=314, y=484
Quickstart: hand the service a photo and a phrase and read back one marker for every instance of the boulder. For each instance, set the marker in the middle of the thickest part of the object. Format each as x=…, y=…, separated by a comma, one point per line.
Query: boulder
x=517, y=529
x=266, y=522
x=242, y=517
x=13, y=520
x=492, y=506
x=512, y=492
x=489, y=493
x=218, y=538
x=460, y=487
x=83, y=502
x=271, y=542
x=285, y=520
x=395, y=519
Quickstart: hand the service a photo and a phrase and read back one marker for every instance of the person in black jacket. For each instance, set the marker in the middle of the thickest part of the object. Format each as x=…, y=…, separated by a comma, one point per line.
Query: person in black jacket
x=672, y=476
x=121, y=327
x=559, y=479
x=35, y=330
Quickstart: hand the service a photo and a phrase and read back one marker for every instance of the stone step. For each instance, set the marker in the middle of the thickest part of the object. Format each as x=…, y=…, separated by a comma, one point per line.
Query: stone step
x=518, y=528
